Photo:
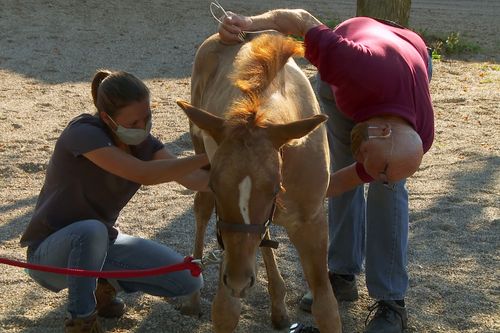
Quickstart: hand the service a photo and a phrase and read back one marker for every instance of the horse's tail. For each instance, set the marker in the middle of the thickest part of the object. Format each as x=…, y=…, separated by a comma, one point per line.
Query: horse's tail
x=255, y=70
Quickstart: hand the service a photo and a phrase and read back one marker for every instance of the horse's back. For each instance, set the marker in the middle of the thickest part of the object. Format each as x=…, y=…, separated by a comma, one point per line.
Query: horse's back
x=210, y=84
x=213, y=90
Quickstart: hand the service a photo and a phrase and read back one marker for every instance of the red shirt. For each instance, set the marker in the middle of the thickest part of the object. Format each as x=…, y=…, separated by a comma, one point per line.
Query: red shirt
x=375, y=69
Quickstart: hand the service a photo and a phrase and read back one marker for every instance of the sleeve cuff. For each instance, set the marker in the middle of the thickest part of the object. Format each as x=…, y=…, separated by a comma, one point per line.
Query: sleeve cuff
x=362, y=174
x=312, y=42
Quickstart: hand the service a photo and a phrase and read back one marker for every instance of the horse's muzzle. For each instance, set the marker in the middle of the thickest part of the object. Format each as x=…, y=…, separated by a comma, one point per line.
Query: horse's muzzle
x=240, y=285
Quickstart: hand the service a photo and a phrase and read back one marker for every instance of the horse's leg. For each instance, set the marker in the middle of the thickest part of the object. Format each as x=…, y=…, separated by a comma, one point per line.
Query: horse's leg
x=203, y=207
x=311, y=240
x=226, y=310
x=276, y=288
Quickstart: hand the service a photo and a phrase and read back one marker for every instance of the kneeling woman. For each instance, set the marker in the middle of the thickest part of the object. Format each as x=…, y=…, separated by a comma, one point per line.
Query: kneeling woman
x=98, y=164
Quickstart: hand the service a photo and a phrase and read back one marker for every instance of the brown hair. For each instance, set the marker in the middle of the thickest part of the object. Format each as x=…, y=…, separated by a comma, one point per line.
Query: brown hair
x=112, y=91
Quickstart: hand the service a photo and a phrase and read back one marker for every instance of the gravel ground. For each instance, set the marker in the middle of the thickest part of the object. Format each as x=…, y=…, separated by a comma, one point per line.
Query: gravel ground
x=49, y=51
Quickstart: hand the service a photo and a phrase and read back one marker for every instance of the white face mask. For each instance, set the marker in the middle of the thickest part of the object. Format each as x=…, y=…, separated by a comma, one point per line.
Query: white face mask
x=132, y=136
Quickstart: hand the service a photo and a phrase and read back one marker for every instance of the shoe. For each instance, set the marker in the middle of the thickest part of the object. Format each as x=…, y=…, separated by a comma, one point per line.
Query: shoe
x=108, y=305
x=343, y=289
x=389, y=317
x=83, y=325
x=301, y=328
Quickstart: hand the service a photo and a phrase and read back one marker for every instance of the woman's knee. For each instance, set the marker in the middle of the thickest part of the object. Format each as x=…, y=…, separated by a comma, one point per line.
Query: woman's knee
x=91, y=231
x=193, y=284
x=183, y=284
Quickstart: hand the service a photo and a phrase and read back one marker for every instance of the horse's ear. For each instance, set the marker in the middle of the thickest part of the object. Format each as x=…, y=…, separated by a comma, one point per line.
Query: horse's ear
x=282, y=133
x=208, y=122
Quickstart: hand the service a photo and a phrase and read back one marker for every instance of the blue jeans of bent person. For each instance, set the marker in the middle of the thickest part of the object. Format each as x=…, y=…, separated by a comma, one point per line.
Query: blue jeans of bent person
x=371, y=228
x=85, y=245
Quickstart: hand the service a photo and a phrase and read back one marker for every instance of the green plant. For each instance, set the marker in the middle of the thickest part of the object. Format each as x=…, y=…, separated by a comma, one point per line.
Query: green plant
x=452, y=44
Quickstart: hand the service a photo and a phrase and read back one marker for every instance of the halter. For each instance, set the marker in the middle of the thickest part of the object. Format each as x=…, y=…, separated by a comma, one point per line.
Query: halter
x=259, y=229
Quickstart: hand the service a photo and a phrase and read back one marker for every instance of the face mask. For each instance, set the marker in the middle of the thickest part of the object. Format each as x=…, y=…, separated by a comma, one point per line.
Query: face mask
x=132, y=136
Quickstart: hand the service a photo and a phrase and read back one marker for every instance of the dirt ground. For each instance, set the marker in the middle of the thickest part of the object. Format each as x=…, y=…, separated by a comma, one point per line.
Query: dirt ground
x=49, y=51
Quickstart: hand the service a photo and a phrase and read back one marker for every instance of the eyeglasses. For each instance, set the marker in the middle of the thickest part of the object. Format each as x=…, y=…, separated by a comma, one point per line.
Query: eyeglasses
x=385, y=180
x=383, y=175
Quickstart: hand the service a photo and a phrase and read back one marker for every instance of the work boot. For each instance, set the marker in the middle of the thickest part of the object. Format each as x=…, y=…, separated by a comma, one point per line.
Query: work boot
x=87, y=324
x=108, y=305
x=390, y=317
x=344, y=288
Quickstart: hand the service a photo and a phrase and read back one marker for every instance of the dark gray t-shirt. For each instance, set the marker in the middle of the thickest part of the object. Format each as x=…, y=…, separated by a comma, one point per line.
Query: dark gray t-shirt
x=76, y=189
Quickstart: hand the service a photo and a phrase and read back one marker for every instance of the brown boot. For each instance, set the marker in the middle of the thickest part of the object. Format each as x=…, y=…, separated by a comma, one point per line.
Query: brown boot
x=108, y=305
x=83, y=325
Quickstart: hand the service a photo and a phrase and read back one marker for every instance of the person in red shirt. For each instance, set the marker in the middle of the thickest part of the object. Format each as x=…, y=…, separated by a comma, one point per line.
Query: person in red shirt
x=373, y=83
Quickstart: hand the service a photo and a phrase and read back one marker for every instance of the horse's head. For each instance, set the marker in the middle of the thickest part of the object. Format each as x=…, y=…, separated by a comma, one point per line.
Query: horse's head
x=245, y=178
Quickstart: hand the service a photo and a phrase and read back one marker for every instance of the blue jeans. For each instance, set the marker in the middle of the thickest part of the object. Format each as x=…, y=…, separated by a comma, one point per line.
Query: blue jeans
x=85, y=245
x=374, y=228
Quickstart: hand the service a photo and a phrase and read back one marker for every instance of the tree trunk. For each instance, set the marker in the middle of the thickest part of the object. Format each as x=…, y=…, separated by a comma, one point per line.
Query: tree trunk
x=393, y=10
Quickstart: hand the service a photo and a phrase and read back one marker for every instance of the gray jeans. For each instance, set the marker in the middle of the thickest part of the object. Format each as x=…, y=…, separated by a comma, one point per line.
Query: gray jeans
x=373, y=229
x=85, y=245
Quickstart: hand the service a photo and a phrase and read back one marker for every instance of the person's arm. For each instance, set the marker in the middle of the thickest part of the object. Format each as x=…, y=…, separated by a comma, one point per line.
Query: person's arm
x=343, y=180
x=119, y=163
x=287, y=21
x=196, y=180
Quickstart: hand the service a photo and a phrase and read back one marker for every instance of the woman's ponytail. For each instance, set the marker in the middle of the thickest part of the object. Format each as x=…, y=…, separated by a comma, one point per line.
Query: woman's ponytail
x=96, y=82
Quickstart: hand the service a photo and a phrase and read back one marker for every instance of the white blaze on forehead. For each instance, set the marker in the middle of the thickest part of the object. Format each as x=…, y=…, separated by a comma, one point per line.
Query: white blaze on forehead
x=245, y=188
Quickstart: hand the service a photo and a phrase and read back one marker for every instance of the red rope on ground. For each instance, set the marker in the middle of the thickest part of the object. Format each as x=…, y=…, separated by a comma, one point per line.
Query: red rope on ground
x=187, y=264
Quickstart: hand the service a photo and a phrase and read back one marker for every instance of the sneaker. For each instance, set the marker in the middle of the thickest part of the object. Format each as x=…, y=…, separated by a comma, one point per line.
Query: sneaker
x=108, y=305
x=301, y=328
x=83, y=325
x=389, y=317
x=343, y=289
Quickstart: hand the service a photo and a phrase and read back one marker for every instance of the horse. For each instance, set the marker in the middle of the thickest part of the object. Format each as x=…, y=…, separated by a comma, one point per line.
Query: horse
x=255, y=114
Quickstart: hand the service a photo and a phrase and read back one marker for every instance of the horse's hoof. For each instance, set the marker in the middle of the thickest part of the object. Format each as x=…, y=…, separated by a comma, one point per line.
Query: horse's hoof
x=190, y=310
x=280, y=322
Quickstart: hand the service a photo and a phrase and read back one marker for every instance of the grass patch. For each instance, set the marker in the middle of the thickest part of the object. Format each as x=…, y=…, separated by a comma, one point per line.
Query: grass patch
x=331, y=23
x=491, y=67
x=452, y=44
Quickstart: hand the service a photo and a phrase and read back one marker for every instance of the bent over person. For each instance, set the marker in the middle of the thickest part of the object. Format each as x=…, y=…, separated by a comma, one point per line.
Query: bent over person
x=99, y=163
x=374, y=85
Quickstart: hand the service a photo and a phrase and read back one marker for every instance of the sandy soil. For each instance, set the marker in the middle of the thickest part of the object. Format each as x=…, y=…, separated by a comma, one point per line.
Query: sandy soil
x=49, y=51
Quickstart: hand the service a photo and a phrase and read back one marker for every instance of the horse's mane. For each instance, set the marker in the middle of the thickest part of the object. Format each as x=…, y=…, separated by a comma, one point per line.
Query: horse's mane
x=255, y=70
